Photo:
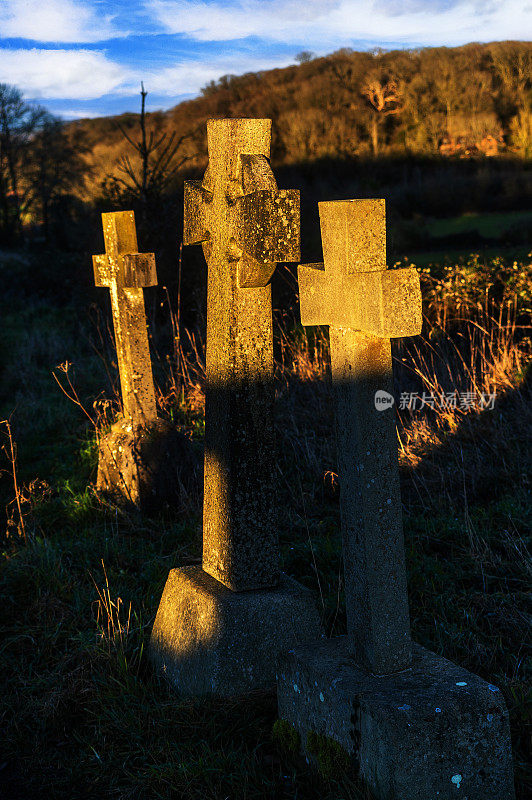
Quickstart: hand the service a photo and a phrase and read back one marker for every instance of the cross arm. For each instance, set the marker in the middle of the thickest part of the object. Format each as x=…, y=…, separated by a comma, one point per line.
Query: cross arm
x=139, y=270
x=102, y=270
x=268, y=232
x=385, y=303
x=194, y=223
x=388, y=302
x=270, y=225
x=355, y=290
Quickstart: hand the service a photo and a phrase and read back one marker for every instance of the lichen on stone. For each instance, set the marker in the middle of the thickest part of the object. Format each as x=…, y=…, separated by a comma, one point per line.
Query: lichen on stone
x=331, y=758
x=286, y=737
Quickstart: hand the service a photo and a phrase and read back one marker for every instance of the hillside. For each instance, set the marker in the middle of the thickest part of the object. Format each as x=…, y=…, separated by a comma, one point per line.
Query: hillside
x=474, y=100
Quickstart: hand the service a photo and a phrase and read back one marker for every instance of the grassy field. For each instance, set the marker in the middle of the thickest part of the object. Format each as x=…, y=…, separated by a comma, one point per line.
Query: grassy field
x=487, y=225
x=450, y=240
x=83, y=715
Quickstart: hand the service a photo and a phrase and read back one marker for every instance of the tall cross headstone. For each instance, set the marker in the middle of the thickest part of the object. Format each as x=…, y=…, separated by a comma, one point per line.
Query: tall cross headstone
x=364, y=305
x=220, y=628
x=245, y=225
x=142, y=459
x=413, y=724
x=125, y=272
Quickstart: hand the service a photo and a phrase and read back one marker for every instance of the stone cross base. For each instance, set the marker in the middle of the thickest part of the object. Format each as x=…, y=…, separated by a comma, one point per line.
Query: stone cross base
x=208, y=639
x=431, y=732
x=145, y=467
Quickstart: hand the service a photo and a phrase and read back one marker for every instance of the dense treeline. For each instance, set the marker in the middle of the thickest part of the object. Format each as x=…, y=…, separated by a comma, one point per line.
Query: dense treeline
x=469, y=100
x=41, y=168
x=435, y=131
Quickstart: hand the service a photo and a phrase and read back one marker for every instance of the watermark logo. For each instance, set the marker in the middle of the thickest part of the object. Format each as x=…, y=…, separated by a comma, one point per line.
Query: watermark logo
x=383, y=400
x=448, y=401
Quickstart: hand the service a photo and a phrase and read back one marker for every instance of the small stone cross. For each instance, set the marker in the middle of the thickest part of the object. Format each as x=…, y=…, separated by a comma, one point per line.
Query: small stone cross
x=245, y=225
x=126, y=272
x=365, y=305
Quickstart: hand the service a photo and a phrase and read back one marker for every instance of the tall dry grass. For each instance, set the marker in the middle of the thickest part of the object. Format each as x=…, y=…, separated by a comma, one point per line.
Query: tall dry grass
x=473, y=351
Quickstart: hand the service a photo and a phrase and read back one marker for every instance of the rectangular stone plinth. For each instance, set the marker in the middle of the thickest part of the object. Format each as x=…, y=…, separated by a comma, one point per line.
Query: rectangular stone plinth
x=208, y=639
x=431, y=732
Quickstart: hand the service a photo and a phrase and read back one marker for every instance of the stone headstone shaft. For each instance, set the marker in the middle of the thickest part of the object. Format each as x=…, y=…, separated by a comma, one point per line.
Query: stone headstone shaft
x=220, y=629
x=143, y=461
x=126, y=272
x=245, y=225
x=412, y=724
x=364, y=306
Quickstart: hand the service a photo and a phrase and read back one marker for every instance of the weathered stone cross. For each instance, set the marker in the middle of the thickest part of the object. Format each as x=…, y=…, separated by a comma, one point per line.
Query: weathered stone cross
x=245, y=225
x=364, y=306
x=220, y=629
x=126, y=272
x=412, y=724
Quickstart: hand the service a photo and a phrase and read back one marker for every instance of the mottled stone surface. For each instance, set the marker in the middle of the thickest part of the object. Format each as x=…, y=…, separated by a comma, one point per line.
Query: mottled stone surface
x=125, y=272
x=141, y=455
x=245, y=225
x=208, y=639
x=364, y=305
x=220, y=629
x=148, y=465
x=431, y=732
x=415, y=726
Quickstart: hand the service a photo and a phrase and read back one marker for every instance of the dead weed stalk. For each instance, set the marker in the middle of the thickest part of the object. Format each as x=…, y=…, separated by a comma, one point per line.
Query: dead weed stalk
x=113, y=628
x=15, y=505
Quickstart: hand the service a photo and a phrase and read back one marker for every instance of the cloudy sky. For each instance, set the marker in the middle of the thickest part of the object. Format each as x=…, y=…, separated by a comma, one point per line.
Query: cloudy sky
x=87, y=57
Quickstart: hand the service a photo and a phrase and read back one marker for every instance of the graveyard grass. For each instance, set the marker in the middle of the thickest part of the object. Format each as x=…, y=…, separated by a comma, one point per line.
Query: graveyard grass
x=82, y=713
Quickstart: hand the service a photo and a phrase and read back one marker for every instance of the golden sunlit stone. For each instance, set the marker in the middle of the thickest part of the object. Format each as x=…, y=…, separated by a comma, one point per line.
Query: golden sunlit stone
x=245, y=225
x=364, y=305
x=412, y=724
x=141, y=455
x=220, y=629
x=125, y=272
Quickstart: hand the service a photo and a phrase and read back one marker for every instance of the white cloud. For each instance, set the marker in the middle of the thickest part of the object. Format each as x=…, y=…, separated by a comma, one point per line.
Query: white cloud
x=86, y=113
x=268, y=19
x=88, y=74
x=189, y=77
x=79, y=74
x=326, y=24
x=54, y=21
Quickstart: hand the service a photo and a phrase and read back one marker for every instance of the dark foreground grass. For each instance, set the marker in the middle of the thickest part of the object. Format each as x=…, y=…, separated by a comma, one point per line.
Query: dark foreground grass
x=84, y=716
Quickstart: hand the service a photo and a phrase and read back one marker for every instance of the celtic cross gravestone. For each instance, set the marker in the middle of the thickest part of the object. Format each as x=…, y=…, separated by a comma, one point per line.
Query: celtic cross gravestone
x=245, y=225
x=219, y=628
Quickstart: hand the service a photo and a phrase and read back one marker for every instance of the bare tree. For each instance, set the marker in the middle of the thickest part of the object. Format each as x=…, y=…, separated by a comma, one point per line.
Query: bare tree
x=159, y=161
x=305, y=56
x=382, y=96
x=18, y=122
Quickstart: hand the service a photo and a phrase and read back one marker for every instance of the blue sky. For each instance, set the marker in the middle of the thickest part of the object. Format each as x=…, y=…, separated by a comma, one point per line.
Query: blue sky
x=87, y=57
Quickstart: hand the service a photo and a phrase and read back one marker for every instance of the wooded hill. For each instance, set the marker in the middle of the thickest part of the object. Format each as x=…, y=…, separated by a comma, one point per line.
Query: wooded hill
x=474, y=100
